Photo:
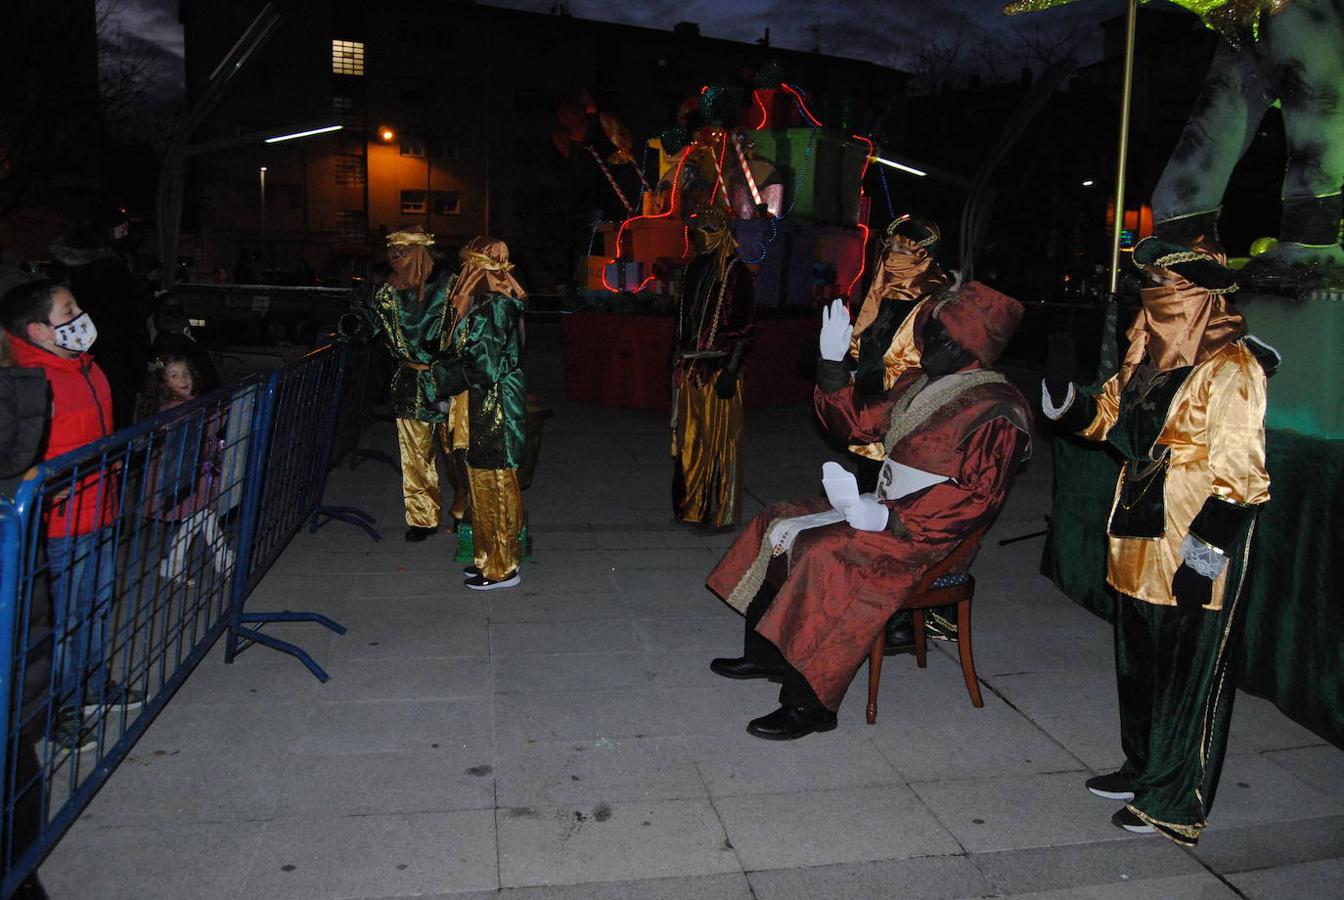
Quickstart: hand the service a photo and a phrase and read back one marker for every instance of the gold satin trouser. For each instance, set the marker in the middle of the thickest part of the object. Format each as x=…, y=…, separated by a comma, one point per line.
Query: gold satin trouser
x=420, y=472
x=496, y=520
x=707, y=455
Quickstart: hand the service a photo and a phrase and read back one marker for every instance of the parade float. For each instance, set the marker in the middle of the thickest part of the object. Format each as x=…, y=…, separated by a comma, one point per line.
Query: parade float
x=794, y=191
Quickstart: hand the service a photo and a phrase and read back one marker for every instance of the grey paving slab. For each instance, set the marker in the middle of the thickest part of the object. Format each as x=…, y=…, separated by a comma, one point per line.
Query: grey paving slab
x=1074, y=866
x=586, y=773
x=682, y=559
x=615, y=841
x=689, y=668
x=695, y=602
x=374, y=856
x=412, y=678
x=1258, y=725
x=1238, y=849
x=508, y=639
x=258, y=676
x=588, y=715
x=1320, y=767
x=381, y=634
x=507, y=606
x=1045, y=693
x=732, y=766
x=216, y=784
x=571, y=672
x=1025, y=811
x=131, y=862
x=707, y=633
x=272, y=727
x=691, y=887
x=1094, y=739
x=929, y=878
x=811, y=828
x=910, y=694
x=458, y=775
x=999, y=741
x=1323, y=878
x=381, y=726
x=1188, y=887
x=1254, y=790
x=1007, y=654
x=669, y=538
x=540, y=580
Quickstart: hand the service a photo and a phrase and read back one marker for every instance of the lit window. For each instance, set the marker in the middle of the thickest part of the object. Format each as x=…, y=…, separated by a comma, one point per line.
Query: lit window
x=447, y=203
x=347, y=57
x=412, y=202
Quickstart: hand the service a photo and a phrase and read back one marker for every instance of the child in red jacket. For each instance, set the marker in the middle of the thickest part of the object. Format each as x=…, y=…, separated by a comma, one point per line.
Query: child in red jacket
x=50, y=332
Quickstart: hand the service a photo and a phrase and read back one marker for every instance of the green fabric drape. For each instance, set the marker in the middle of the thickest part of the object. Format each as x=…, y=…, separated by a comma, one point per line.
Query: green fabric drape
x=1292, y=647
x=412, y=331
x=482, y=358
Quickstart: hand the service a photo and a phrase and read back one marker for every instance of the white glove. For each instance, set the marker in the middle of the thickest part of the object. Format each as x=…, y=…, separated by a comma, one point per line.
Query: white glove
x=868, y=514
x=841, y=488
x=835, y=331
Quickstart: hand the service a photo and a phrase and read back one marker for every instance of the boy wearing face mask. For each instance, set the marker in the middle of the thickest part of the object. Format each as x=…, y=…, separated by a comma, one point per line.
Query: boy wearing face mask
x=49, y=331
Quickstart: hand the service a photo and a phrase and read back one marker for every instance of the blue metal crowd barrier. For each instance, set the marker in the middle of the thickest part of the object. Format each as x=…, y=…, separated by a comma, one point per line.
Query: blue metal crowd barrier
x=354, y=409
x=121, y=564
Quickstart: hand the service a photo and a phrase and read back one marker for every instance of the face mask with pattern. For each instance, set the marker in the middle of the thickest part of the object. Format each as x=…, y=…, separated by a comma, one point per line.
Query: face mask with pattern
x=77, y=335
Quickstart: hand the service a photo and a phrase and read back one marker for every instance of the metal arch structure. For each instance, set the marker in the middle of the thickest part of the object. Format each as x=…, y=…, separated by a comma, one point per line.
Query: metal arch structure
x=172, y=175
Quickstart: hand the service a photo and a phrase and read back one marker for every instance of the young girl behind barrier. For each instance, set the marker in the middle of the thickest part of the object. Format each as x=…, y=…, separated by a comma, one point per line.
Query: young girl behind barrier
x=185, y=478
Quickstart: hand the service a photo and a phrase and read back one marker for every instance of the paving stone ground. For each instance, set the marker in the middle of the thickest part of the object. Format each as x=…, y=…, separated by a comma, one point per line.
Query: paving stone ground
x=566, y=739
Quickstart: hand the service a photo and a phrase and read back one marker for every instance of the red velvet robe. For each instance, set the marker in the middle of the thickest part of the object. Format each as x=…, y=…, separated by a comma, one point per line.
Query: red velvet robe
x=844, y=584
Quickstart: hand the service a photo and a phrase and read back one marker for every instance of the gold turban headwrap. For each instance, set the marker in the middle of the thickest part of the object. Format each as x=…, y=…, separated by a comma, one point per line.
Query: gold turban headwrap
x=408, y=253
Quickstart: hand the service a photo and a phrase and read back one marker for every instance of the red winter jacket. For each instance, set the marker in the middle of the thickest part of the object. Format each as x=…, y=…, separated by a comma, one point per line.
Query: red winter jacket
x=81, y=414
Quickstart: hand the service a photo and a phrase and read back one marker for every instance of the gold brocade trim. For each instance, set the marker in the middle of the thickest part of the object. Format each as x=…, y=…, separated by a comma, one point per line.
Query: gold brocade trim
x=751, y=581
x=1220, y=661
x=1170, y=830
x=482, y=261
x=410, y=239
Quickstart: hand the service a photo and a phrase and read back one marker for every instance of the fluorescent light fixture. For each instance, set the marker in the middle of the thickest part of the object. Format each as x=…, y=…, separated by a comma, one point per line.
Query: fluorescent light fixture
x=303, y=134
x=895, y=165
x=1087, y=183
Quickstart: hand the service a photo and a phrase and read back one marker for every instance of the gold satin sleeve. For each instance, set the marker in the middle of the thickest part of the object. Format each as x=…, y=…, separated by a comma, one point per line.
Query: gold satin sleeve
x=902, y=354
x=1108, y=410
x=1216, y=431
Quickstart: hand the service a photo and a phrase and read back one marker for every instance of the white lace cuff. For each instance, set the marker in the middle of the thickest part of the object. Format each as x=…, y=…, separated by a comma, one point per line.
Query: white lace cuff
x=1051, y=411
x=1203, y=558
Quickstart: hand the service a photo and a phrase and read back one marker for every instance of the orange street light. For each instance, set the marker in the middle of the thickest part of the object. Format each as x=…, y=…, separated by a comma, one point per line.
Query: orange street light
x=386, y=134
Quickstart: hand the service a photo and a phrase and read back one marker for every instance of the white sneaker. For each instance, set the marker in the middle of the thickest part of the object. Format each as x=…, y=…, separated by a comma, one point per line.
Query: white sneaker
x=481, y=583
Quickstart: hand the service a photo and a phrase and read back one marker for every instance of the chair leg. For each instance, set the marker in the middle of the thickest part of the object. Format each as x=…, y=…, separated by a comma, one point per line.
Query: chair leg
x=875, y=674
x=964, y=648
x=921, y=641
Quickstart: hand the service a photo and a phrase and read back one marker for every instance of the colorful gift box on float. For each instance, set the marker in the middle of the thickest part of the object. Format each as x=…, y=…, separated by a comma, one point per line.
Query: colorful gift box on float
x=830, y=166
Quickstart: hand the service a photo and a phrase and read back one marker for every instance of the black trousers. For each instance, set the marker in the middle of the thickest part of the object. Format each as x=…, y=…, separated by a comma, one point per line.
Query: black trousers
x=795, y=691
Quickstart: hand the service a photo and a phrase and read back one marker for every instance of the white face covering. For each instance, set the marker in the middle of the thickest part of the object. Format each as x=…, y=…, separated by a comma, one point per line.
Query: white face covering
x=77, y=335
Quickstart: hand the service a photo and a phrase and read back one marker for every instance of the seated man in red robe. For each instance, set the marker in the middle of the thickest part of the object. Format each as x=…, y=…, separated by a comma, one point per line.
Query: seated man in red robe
x=818, y=578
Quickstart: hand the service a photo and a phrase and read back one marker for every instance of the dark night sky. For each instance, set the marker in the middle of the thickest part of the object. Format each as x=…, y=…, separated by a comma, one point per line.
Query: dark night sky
x=889, y=32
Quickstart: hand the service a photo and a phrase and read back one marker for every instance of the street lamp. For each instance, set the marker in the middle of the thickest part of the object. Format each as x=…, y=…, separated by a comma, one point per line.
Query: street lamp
x=386, y=134
x=262, y=177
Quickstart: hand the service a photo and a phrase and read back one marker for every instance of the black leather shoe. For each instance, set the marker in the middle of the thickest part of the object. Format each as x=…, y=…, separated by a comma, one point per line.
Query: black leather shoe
x=900, y=639
x=741, y=668
x=416, y=533
x=788, y=723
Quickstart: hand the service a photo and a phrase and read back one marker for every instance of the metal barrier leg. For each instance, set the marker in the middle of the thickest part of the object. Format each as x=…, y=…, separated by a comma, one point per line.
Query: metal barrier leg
x=349, y=514
x=255, y=635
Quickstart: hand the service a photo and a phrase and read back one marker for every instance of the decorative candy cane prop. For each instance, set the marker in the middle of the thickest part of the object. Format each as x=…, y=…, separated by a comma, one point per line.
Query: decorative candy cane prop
x=611, y=179
x=718, y=172
x=739, y=139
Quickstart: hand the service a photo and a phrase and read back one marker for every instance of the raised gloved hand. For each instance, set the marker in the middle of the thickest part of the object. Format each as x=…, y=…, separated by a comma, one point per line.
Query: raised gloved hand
x=1191, y=589
x=1061, y=360
x=836, y=331
x=349, y=328
x=725, y=386
x=868, y=514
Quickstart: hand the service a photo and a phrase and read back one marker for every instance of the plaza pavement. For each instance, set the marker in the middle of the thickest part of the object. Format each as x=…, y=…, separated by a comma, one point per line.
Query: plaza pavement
x=567, y=740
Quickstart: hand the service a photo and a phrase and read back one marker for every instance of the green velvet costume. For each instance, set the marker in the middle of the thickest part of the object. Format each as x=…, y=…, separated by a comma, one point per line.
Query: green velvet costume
x=482, y=358
x=415, y=333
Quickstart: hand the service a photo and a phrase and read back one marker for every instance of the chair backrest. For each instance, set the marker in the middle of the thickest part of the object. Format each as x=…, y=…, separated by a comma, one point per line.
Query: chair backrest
x=958, y=561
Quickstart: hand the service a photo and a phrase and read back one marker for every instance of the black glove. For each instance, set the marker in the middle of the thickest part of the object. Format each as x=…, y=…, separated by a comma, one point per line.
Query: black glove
x=726, y=385
x=1191, y=589
x=1061, y=361
x=349, y=327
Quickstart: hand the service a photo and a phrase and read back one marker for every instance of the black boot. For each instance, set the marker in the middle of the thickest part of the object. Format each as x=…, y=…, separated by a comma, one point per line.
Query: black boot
x=788, y=723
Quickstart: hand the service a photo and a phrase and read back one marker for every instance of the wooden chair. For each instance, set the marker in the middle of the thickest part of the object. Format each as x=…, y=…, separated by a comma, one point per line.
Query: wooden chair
x=946, y=583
